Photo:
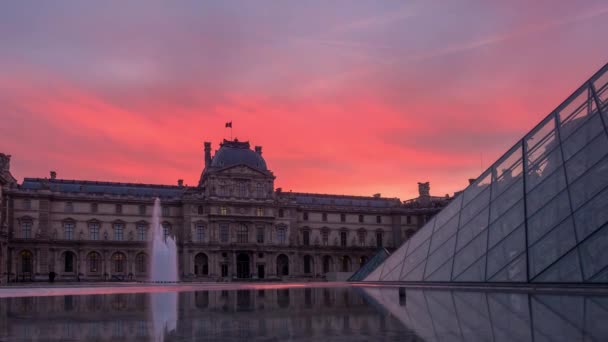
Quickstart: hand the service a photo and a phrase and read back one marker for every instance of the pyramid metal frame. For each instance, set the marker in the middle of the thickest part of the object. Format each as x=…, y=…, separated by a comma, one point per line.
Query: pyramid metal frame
x=538, y=215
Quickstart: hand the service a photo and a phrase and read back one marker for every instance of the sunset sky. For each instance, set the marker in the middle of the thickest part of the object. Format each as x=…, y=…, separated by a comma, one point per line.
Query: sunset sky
x=346, y=97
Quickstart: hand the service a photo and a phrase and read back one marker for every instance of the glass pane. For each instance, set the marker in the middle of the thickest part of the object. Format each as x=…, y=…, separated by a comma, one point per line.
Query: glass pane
x=547, y=217
x=507, y=170
x=565, y=270
x=440, y=256
x=375, y=275
x=448, y=213
x=541, y=140
x=443, y=273
x=473, y=306
x=506, y=250
x=415, y=258
x=514, y=272
x=440, y=236
x=416, y=274
x=421, y=236
x=441, y=308
x=601, y=88
x=476, y=272
x=576, y=112
x=545, y=191
x=480, y=202
x=592, y=215
x=594, y=253
x=478, y=224
x=587, y=186
x=395, y=259
x=507, y=223
x=542, y=169
x=476, y=188
x=392, y=275
x=470, y=253
x=501, y=204
x=551, y=247
x=582, y=136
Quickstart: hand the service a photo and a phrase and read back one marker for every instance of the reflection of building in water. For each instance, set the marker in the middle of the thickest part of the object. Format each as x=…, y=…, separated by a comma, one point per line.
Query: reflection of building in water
x=437, y=315
x=277, y=314
x=233, y=224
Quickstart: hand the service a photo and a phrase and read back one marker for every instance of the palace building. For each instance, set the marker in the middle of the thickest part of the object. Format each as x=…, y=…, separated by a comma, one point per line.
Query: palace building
x=233, y=225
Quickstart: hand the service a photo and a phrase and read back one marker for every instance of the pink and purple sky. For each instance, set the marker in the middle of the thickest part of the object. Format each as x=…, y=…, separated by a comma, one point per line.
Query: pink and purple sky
x=346, y=97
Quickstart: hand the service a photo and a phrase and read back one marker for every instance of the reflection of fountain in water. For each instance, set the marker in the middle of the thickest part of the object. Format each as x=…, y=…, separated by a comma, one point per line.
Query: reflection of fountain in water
x=163, y=307
x=163, y=251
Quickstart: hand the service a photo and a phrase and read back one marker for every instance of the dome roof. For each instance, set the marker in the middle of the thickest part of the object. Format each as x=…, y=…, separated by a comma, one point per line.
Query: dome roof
x=234, y=152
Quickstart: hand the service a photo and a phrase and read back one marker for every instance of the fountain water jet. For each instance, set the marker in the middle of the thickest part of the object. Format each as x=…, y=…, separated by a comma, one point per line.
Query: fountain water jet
x=163, y=251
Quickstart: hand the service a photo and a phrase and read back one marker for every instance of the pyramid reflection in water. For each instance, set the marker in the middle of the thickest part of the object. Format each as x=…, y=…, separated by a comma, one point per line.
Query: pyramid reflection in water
x=538, y=214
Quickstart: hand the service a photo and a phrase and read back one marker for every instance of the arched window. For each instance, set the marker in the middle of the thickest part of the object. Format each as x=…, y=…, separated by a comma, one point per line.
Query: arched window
x=141, y=263
x=26, y=261
x=327, y=264
x=68, y=262
x=93, y=260
x=201, y=264
x=242, y=234
x=345, y=264
x=307, y=264
x=118, y=261
x=282, y=265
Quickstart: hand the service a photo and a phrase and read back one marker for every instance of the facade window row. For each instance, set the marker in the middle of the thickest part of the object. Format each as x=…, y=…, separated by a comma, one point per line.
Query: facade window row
x=324, y=217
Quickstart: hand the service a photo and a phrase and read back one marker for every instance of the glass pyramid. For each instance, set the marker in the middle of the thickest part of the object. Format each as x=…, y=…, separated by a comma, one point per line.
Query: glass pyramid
x=538, y=214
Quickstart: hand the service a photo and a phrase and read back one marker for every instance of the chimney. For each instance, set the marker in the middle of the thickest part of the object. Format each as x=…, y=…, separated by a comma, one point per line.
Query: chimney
x=424, y=189
x=53, y=175
x=207, y=153
x=258, y=150
x=472, y=180
x=180, y=182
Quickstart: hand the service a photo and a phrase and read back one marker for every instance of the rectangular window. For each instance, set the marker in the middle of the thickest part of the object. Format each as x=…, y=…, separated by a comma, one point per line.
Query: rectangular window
x=118, y=231
x=224, y=233
x=94, y=231
x=306, y=237
x=361, y=236
x=119, y=208
x=324, y=216
x=200, y=210
x=378, y=219
x=69, y=230
x=342, y=217
x=408, y=219
x=69, y=207
x=141, y=232
x=281, y=235
x=223, y=211
x=94, y=207
x=224, y=268
x=379, y=239
x=26, y=230
x=260, y=235
x=242, y=233
x=281, y=213
x=361, y=219
x=142, y=209
x=166, y=211
x=260, y=212
x=200, y=233
x=305, y=216
x=343, y=239
x=27, y=204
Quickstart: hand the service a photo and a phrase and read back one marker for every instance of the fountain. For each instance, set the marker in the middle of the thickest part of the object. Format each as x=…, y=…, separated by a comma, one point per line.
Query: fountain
x=163, y=251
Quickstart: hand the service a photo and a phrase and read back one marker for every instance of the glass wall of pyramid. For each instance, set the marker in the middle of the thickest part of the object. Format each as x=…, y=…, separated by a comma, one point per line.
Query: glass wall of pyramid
x=538, y=215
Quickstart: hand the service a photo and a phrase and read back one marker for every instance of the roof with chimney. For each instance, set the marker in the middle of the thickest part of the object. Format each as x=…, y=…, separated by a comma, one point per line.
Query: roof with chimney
x=235, y=152
x=102, y=188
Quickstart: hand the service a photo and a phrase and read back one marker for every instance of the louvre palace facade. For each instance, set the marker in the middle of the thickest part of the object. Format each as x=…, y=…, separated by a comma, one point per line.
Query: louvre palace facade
x=233, y=225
